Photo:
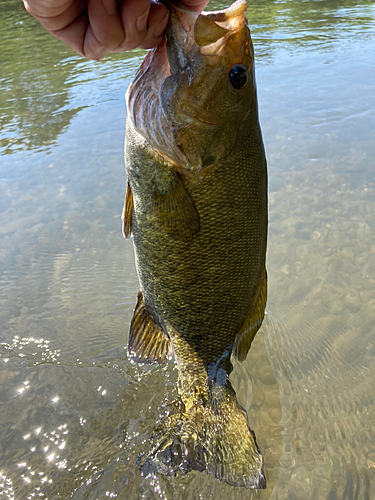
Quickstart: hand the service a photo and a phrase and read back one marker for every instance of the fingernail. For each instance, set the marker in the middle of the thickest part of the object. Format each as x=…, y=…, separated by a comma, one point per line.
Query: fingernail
x=159, y=28
x=142, y=20
x=110, y=7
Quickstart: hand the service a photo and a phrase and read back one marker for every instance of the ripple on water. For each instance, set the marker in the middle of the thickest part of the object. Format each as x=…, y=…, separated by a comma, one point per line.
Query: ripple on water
x=70, y=425
x=75, y=412
x=319, y=338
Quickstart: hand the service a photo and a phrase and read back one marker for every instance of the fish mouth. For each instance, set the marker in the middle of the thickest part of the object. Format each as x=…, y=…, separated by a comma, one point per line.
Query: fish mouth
x=155, y=107
x=212, y=29
x=192, y=37
x=188, y=32
x=207, y=33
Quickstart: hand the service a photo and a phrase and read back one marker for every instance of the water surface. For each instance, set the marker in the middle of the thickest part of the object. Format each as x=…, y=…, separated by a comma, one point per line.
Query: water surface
x=75, y=412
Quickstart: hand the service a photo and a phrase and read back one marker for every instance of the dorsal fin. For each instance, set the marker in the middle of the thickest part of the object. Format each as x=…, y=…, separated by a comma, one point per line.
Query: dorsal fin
x=253, y=321
x=147, y=342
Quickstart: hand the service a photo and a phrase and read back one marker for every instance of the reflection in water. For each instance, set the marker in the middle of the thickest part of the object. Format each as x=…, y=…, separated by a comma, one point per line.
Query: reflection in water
x=40, y=72
x=37, y=83
x=68, y=282
x=34, y=100
x=311, y=24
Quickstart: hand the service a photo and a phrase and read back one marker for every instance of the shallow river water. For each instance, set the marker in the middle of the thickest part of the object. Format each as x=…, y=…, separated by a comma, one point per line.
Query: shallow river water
x=74, y=411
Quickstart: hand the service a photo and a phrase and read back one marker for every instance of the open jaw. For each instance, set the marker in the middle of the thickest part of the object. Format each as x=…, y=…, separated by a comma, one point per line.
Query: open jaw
x=189, y=34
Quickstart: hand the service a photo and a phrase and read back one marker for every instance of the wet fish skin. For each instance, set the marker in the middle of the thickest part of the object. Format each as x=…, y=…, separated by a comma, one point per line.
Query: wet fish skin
x=196, y=205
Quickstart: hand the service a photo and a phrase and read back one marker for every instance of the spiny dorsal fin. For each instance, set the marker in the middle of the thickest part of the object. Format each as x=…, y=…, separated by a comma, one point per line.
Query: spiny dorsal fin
x=127, y=214
x=253, y=321
x=147, y=342
x=176, y=210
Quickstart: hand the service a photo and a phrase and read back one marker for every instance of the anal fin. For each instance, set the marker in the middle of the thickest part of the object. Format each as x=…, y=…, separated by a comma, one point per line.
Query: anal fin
x=147, y=342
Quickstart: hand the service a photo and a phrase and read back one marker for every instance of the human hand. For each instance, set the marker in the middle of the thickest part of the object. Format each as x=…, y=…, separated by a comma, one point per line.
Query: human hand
x=93, y=28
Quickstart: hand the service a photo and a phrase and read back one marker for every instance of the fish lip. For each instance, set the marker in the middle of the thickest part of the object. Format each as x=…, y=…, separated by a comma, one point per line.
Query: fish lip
x=233, y=11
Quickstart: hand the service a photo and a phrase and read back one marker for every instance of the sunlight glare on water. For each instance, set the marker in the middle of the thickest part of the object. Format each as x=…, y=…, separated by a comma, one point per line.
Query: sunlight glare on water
x=75, y=411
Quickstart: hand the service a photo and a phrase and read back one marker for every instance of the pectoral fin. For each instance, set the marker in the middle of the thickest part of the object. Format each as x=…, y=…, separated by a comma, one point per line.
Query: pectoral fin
x=127, y=214
x=147, y=342
x=253, y=321
x=175, y=209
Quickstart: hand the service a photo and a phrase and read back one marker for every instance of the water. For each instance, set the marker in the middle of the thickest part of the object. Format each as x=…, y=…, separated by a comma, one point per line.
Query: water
x=75, y=413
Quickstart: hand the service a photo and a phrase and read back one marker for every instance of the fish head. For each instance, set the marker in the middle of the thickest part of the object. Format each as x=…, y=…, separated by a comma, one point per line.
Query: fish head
x=201, y=92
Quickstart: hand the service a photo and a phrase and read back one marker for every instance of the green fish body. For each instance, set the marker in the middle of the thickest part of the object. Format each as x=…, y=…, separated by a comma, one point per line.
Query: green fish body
x=196, y=206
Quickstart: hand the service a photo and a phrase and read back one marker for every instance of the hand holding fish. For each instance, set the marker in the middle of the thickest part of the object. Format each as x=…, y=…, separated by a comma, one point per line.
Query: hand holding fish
x=93, y=28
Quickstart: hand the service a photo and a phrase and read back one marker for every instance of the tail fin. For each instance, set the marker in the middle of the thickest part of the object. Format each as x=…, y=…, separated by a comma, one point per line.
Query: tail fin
x=212, y=436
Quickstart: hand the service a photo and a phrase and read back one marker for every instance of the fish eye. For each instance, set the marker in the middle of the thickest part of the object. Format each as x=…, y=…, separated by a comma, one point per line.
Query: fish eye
x=238, y=76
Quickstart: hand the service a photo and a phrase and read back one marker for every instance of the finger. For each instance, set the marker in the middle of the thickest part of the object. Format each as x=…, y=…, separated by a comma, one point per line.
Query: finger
x=134, y=15
x=157, y=22
x=105, y=31
x=197, y=5
x=46, y=8
x=137, y=18
x=57, y=16
x=73, y=35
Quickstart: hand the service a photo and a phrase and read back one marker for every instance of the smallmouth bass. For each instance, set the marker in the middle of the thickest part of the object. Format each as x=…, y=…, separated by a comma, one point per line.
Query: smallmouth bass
x=196, y=205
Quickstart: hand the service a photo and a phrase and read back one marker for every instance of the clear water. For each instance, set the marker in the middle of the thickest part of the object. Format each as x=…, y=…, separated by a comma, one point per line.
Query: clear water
x=74, y=412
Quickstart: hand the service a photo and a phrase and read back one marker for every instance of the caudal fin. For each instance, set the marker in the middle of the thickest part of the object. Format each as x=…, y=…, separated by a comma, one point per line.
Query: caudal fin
x=211, y=436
